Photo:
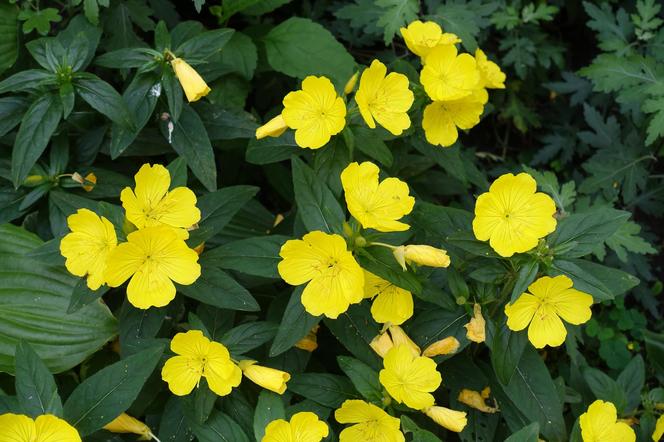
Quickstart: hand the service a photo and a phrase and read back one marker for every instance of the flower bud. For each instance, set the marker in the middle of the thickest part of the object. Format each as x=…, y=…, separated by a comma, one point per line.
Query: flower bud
x=427, y=256
x=273, y=128
x=193, y=84
x=309, y=342
x=127, y=424
x=350, y=84
x=476, y=327
x=268, y=378
x=475, y=400
x=445, y=346
x=453, y=420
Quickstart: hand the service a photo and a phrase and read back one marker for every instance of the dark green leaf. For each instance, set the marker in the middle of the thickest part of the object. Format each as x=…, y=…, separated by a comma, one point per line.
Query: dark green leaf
x=204, y=45
x=36, y=391
x=245, y=337
x=254, y=256
x=270, y=407
x=381, y=262
x=215, y=287
x=8, y=36
x=363, y=377
x=295, y=324
x=529, y=433
x=220, y=428
x=104, y=99
x=327, y=389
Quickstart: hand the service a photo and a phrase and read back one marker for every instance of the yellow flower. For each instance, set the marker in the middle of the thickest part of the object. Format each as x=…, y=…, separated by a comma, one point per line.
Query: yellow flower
x=153, y=258
x=371, y=424
x=444, y=346
x=46, y=428
x=350, y=84
x=268, y=378
x=453, y=420
x=409, y=379
x=315, y=112
x=391, y=304
x=384, y=98
x=422, y=255
x=491, y=76
x=87, y=247
x=309, y=342
x=421, y=38
x=448, y=76
x=376, y=205
x=512, y=215
x=335, y=279
x=193, y=84
x=659, y=429
x=273, y=128
x=551, y=299
x=198, y=357
x=475, y=400
x=442, y=118
x=303, y=427
x=598, y=424
x=152, y=204
x=127, y=424
x=475, y=329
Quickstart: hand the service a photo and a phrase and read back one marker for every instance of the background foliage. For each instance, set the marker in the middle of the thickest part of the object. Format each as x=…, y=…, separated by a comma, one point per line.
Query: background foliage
x=83, y=91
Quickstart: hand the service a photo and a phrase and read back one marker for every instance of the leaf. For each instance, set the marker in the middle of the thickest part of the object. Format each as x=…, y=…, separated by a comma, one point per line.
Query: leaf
x=8, y=36
x=190, y=140
x=528, y=433
x=626, y=239
x=299, y=47
x=240, y=55
x=355, y=329
x=381, y=262
x=246, y=337
x=36, y=391
x=295, y=324
x=104, y=99
x=106, y=394
x=216, y=287
x=605, y=388
x=465, y=19
x=600, y=281
x=254, y=256
x=173, y=426
x=272, y=149
x=39, y=20
x=326, y=389
x=506, y=351
x=205, y=44
x=62, y=340
x=371, y=145
x=270, y=407
x=632, y=380
x=37, y=126
x=220, y=428
x=614, y=30
x=396, y=13
x=363, y=377
x=525, y=277
x=11, y=112
x=228, y=124
x=317, y=206
x=83, y=296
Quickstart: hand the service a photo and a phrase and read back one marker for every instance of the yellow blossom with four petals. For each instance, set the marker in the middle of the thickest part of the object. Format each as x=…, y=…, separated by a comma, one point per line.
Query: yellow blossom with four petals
x=512, y=215
x=370, y=423
x=541, y=310
x=302, y=427
x=376, y=205
x=316, y=112
x=384, y=98
x=197, y=357
x=599, y=424
x=45, y=428
x=335, y=280
x=448, y=75
x=87, y=246
x=422, y=37
x=442, y=119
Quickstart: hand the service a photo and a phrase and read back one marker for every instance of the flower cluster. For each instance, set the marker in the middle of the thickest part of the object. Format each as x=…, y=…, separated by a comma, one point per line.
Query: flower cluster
x=456, y=83
x=155, y=254
x=334, y=278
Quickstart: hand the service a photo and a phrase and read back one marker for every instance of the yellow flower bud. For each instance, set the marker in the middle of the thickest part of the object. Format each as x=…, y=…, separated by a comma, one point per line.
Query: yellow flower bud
x=400, y=337
x=381, y=344
x=453, y=420
x=268, y=378
x=309, y=342
x=273, y=128
x=350, y=85
x=444, y=346
x=475, y=328
x=476, y=400
x=193, y=84
x=127, y=424
x=427, y=256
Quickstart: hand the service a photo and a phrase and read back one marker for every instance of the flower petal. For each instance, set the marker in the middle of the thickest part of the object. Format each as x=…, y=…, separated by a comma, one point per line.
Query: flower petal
x=182, y=374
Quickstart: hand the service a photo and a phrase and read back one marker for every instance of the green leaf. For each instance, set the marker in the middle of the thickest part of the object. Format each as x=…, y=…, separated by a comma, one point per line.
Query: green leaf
x=173, y=426
x=174, y=93
x=419, y=435
x=270, y=407
x=295, y=324
x=465, y=19
x=62, y=340
x=240, y=55
x=200, y=403
x=106, y=394
x=28, y=80
x=394, y=14
x=37, y=126
x=363, y=377
x=626, y=239
x=600, y=281
x=254, y=256
x=11, y=112
x=215, y=287
x=246, y=337
x=355, y=329
x=36, y=391
x=272, y=149
x=529, y=433
x=205, y=44
x=104, y=99
x=299, y=47
x=631, y=380
x=525, y=277
x=125, y=58
x=605, y=388
x=326, y=389
x=317, y=206
x=506, y=350
x=381, y=262
x=220, y=428
x=190, y=140
x=83, y=296
x=228, y=124
x=138, y=327
x=8, y=36
x=39, y=20
x=372, y=146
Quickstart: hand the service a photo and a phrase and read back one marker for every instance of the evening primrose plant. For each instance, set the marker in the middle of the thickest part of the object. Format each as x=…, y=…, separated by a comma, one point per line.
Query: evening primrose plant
x=361, y=221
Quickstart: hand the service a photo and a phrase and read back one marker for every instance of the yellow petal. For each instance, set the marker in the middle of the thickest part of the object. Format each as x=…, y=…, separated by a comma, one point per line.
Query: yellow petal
x=444, y=346
x=381, y=344
x=193, y=84
x=127, y=424
x=220, y=371
x=273, y=128
x=150, y=287
x=475, y=329
x=278, y=430
x=350, y=84
x=448, y=76
x=425, y=255
x=475, y=400
x=659, y=429
x=49, y=428
x=307, y=427
x=268, y=378
x=399, y=337
x=181, y=374
x=17, y=428
x=598, y=423
x=521, y=312
x=546, y=328
x=191, y=344
x=490, y=74
x=392, y=304
x=409, y=379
